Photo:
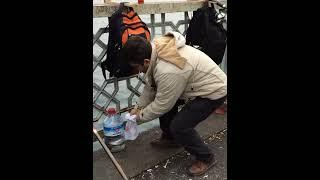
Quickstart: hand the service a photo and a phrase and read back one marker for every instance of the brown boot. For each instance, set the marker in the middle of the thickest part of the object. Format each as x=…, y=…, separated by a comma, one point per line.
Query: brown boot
x=199, y=167
x=161, y=142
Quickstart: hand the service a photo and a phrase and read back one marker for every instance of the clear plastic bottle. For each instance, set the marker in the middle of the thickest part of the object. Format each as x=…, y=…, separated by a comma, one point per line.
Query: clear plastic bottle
x=113, y=129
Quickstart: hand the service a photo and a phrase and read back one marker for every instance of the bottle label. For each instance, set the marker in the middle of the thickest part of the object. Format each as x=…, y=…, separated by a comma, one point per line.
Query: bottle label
x=113, y=131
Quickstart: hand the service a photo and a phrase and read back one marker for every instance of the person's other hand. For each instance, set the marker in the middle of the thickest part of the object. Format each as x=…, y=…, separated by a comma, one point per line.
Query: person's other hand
x=135, y=112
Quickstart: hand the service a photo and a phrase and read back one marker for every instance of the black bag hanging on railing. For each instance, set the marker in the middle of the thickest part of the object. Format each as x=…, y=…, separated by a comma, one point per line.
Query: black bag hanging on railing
x=207, y=34
x=123, y=23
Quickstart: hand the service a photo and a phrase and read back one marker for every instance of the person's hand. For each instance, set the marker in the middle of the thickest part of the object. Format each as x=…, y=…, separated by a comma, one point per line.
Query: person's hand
x=136, y=112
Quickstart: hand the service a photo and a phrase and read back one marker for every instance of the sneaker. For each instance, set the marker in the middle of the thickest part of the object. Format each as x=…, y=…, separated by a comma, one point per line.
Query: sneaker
x=198, y=168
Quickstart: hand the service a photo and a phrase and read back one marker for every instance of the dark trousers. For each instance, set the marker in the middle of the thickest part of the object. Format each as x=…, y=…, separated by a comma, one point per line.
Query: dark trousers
x=179, y=126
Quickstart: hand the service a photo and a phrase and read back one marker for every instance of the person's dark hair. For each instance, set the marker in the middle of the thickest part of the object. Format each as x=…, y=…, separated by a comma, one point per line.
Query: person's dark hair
x=136, y=50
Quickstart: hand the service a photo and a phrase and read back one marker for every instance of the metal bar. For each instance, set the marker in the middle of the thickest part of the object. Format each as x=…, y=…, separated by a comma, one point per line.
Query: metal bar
x=105, y=93
x=94, y=59
x=152, y=26
x=116, y=89
x=95, y=65
x=180, y=22
x=134, y=91
x=113, y=79
x=114, y=161
x=169, y=23
x=186, y=19
x=142, y=79
x=128, y=82
x=99, y=89
x=99, y=33
x=174, y=27
x=103, y=53
x=101, y=44
x=163, y=19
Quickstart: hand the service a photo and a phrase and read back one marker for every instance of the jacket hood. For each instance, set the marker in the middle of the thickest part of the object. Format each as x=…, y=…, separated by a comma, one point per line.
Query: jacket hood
x=167, y=48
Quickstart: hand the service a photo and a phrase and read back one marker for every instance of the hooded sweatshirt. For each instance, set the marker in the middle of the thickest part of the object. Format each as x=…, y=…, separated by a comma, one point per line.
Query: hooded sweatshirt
x=178, y=71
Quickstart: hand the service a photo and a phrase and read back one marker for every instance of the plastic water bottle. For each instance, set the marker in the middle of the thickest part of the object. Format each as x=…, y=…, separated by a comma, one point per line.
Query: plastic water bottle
x=113, y=130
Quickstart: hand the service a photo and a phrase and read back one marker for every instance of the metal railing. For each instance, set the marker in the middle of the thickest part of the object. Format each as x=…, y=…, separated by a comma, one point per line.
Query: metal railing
x=105, y=95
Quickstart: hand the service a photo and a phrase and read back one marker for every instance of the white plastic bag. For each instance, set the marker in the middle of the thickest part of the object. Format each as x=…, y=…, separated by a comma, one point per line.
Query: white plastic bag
x=131, y=130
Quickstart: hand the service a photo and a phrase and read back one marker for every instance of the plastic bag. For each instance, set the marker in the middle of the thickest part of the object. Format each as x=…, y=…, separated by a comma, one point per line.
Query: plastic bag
x=131, y=130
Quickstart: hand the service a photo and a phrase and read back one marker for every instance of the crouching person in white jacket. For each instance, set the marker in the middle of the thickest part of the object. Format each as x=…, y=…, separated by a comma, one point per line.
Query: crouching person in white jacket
x=176, y=74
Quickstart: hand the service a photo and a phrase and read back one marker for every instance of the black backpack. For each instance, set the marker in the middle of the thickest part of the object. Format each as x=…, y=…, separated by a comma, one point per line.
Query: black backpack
x=207, y=33
x=123, y=23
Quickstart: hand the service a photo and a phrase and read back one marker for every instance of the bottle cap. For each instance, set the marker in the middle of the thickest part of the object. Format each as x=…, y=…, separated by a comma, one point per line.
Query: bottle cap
x=111, y=111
